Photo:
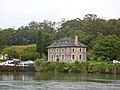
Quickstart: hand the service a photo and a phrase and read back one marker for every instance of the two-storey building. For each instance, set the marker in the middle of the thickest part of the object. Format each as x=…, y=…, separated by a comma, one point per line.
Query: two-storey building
x=67, y=50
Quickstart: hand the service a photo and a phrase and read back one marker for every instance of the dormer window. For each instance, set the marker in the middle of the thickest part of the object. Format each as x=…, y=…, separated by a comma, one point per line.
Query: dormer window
x=55, y=43
x=65, y=42
x=60, y=42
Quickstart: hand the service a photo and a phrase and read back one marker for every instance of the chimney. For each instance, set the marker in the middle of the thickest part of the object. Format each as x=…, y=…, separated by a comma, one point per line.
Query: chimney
x=76, y=40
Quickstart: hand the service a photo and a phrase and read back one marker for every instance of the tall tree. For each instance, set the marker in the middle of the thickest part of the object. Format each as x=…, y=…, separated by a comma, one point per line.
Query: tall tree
x=43, y=41
x=108, y=48
x=40, y=43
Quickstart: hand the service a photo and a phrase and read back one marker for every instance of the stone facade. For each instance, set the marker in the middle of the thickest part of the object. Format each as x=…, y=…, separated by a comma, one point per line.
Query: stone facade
x=64, y=53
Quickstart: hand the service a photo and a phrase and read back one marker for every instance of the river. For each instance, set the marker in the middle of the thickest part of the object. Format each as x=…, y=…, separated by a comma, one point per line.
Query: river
x=58, y=81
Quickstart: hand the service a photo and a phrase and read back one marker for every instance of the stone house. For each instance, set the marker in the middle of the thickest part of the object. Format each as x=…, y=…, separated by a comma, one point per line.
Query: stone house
x=67, y=50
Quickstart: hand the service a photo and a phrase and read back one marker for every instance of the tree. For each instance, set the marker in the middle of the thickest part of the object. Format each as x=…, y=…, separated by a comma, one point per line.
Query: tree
x=108, y=48
x=44, y=40
x=6, y=36
x=45, y=36
x=90, y=17
x=30, y=53
x=24, y=36
x=39, y=44
x=10, y=52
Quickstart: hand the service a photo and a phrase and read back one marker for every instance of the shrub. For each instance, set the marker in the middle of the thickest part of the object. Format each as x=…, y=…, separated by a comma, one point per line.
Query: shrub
x=62, y=67
x=116, y=69
x=75, y=69
x=38, y=64
x=96, y=67
x=48, y=66
x=108, y=68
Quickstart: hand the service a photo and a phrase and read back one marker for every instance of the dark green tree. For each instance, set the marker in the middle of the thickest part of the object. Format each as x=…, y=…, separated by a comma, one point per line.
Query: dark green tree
x=30, y=53
x=108, y=48
x=40, y=43
x=43, y=41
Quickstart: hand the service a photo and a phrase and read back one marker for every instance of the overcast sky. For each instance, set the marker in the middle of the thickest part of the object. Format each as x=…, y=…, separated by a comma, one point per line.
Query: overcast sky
x=21, y=12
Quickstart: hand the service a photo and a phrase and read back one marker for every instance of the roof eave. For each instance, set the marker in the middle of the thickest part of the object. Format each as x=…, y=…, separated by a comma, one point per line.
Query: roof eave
x=66, y=46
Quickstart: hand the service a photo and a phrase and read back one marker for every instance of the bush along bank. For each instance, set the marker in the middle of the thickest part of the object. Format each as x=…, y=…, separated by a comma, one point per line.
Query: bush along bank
x=84, y=67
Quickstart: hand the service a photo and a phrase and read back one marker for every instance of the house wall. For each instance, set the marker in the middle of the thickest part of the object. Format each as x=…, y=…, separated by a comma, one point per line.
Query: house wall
x=68, y=54
x=1, y=57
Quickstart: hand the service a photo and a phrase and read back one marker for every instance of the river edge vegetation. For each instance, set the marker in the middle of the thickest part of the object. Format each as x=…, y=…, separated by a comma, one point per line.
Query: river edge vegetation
x=77, y=67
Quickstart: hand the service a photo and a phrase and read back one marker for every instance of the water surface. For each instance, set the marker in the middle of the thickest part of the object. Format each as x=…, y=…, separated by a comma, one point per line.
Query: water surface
x=58, y=81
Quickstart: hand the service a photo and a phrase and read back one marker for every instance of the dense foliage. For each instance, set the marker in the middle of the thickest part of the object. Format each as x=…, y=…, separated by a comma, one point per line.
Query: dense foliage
x=108, y=48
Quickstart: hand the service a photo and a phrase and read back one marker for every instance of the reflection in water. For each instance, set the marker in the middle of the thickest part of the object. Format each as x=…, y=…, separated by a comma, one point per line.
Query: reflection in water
x=58, y=81
x=75, y=76
x=15, y=76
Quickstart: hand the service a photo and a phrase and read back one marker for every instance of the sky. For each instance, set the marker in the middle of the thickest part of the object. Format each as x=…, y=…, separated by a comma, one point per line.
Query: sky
x=16, y=13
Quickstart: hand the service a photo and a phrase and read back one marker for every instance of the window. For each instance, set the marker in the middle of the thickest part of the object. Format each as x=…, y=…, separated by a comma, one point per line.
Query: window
x=80, y=56
x=63, y=50
x=62, y=57
x=52, y=50
x=52, y=57
x=73, y=50
x=72, y=56
x=68, y=50
x=80, y=49
x=57, y=50
x=57, y=58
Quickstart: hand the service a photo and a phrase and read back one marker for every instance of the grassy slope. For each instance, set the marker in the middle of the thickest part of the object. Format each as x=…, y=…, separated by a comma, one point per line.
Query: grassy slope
x=20, y=49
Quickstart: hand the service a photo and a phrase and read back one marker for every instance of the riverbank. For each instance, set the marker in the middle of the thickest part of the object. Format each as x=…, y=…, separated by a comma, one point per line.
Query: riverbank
x=17, y=68
x=84, y=67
